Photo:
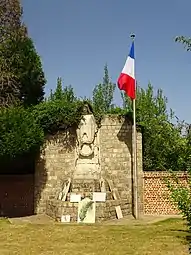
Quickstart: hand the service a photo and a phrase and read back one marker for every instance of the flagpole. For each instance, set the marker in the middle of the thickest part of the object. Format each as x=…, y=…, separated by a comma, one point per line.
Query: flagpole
x=134, y=145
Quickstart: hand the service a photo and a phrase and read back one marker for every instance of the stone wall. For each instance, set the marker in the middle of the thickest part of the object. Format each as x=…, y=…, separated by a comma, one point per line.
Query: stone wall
x=104, y=210
x=116, y=156
x=55, y=164
x=57, y=161
x=156, y=194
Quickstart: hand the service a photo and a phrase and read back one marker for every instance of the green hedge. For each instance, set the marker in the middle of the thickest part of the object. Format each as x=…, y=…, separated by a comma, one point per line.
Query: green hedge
x=52, y=114
x=23, y=130
x=19, y=132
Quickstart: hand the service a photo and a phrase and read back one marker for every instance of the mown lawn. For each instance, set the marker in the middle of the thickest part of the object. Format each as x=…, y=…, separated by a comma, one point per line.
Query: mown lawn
x=167, y=237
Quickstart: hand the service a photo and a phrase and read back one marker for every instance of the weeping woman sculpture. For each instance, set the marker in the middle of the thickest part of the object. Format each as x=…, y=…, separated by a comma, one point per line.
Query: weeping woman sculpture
x=87, y=149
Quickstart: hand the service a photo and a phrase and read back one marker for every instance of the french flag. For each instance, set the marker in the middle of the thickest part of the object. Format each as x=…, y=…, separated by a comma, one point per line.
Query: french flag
x=126, y=80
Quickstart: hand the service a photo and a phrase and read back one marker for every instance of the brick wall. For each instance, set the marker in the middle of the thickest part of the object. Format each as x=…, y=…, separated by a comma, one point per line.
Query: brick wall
x=156, y=194
x=16, y=195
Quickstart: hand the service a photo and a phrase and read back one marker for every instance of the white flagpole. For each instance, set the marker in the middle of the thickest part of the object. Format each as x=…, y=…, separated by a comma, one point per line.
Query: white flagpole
x=135, y=162
x=134, y=145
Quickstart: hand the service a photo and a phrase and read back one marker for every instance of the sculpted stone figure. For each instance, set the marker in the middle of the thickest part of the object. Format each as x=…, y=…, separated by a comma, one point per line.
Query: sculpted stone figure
x=87, y=161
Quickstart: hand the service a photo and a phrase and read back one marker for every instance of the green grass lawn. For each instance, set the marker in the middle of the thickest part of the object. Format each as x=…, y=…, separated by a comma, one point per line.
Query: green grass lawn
x=167, y=237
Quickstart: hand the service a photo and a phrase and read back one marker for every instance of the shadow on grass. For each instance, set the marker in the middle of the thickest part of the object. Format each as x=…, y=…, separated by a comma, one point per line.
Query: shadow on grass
x=173, y=227
x=184, y=236
x=168, y=221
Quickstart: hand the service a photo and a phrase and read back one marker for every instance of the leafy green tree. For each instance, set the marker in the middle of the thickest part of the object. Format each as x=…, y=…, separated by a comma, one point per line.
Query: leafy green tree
x=10, y=27
x=21, y=75
x=19, y=133
x=66, y=93
x=181, y=196
x=59, y=91
x=186, y=41
x=163, y=144
x=181, y=193
x=103, y=94
x=28, y=68
x=10, y=20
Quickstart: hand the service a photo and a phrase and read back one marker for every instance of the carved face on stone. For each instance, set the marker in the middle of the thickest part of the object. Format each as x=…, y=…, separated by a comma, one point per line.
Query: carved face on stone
x=86, y=109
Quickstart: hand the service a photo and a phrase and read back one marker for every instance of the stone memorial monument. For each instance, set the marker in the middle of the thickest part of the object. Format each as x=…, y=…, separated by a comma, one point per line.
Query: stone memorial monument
x=94, y=166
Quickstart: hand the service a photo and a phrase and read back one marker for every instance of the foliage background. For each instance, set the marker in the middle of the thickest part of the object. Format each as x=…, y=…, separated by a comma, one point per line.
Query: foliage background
x=26, y=116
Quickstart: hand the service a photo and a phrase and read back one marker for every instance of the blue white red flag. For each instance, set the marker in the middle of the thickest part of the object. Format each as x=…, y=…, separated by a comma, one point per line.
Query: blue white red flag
x=126, y=80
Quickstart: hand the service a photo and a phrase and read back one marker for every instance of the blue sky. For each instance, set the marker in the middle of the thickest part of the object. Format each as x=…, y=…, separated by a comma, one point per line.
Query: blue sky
x=76, y=38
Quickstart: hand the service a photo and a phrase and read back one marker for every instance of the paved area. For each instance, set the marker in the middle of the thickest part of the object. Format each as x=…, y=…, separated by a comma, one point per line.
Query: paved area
x=129, y=220
x=146, y=219
x=34, y=219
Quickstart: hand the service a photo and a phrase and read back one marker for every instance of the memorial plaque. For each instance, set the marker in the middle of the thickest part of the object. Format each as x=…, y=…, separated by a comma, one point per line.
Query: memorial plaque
x=75, y=198
x=65, y=218
x=99, y=196
x=119, y=212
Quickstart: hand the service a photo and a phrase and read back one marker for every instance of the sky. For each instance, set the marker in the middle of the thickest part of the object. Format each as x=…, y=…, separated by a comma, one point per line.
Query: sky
x=76, y=38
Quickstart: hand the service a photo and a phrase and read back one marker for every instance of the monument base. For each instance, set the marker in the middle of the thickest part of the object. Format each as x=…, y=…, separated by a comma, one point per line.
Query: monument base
x=87, y=201
x=103, y=210
x=87, y=172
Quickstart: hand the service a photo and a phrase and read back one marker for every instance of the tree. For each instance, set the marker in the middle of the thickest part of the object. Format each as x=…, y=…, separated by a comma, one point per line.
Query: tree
x=186, y=41
x=66, y=93
x=180, y=193
x=28, y=68
x=9, y=84
x=164, y=147
x=19, y=133
x=10, y=24
x=21, y=75
x=10, y=20
x=58, y=92
x=103, y=94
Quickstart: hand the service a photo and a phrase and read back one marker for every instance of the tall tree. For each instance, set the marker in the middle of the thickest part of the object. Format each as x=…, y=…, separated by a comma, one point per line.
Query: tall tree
x=58, y=92
x=181, y=194
x=163, y=144
x=21, y=75
x=65, y=93
x=10, y=19
x=103, y=94
x=186, y=41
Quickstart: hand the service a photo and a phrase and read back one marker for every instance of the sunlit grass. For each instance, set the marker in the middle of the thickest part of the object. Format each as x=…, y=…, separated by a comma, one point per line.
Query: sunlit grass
x=167, y=237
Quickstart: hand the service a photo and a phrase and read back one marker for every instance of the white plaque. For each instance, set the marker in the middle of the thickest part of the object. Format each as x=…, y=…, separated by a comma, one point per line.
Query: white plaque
x=75, y=198
x=119, y=212
x=99, y=196
x=65, y=218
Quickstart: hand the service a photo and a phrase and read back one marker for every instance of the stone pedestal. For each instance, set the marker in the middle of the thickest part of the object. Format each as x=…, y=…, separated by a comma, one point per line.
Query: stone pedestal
x=87, y=172
x=104, y=211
